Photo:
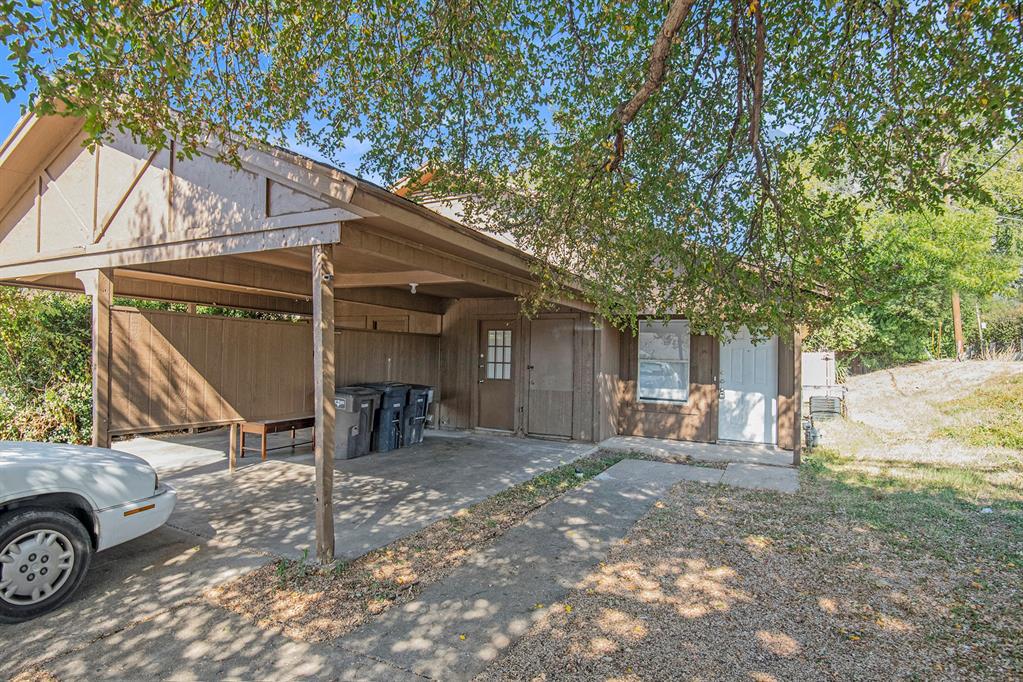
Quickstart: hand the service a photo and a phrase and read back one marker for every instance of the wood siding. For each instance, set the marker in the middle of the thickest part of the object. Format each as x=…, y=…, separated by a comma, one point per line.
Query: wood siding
x=607, y=382
x=386, y=356
x=458, y=356
x=121, y=204
x=694, y=420
x=459, y=350
x=173, y=370
x=788, y=398
x=697, y=419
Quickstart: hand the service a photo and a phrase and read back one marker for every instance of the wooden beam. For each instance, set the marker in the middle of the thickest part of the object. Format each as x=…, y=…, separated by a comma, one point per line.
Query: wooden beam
x=395, y=298
x=323, y=403
x=150, y=276
x=126, y=253
x=356, y=280
x=421, y=257
x=100, y=288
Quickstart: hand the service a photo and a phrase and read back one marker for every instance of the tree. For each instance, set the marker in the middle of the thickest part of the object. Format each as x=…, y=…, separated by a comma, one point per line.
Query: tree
x=916, y=260
x=659, y=150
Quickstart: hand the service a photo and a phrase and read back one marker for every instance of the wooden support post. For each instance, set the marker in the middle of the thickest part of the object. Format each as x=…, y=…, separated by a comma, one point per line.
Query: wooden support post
x=232, y=450
x=957, y=323
x=323, y=404
x=797, y=396
x=100, y=288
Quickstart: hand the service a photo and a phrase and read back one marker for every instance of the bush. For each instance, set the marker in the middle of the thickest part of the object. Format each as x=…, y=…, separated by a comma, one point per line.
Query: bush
x=45, y=382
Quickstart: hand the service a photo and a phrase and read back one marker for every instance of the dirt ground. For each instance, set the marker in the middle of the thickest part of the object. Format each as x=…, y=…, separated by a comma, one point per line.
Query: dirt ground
x=901, y=561
x=893, y=414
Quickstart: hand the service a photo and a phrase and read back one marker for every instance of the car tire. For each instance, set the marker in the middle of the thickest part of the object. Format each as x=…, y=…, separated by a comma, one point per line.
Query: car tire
x=44, y=554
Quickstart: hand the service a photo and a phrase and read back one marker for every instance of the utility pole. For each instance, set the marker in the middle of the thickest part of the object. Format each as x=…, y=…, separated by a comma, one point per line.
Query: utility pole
x=957, y=323
x=980, y=326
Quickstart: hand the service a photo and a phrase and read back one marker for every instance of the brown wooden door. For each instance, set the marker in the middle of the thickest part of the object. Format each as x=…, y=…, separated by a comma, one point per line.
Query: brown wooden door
x=551, y=364
x=496, y=375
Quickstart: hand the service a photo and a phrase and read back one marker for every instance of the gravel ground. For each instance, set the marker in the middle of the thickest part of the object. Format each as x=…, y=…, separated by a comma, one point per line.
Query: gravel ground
x=894, y=414
x=901, y=558
x=721, y=584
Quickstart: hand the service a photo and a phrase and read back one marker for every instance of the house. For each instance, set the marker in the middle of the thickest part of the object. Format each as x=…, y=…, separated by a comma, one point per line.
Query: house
x=384, y=288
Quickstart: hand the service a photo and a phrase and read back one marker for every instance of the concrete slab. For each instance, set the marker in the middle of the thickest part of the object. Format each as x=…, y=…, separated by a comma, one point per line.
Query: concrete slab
x=491, y=599
x=227, y=524
x=699, y=452
x=760, y=477
x=377, y=499
x=679, y=472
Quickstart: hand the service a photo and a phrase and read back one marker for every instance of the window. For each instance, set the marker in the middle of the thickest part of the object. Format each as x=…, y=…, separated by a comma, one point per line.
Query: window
x=664, y=360
x=499, y=354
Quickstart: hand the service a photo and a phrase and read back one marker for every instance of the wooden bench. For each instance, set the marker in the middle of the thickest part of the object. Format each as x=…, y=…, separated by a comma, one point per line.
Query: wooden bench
x=263, y=428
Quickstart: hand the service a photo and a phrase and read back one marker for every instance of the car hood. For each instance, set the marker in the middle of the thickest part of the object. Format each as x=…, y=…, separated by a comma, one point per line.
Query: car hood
x=103, y=477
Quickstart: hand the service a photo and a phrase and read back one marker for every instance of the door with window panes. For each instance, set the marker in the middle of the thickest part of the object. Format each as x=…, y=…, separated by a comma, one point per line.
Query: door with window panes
x=496, y=394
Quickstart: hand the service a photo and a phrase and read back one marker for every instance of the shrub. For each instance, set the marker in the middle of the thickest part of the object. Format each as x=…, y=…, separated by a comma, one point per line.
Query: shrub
x=45, y=383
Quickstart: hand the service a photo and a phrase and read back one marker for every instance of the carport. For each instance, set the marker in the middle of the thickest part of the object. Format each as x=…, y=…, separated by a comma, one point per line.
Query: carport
x=367, y=285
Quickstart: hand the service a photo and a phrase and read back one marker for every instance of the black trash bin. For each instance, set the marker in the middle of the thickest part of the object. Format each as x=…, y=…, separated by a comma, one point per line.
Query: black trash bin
x=355, y=407
x=389, y=415
x=417, y=408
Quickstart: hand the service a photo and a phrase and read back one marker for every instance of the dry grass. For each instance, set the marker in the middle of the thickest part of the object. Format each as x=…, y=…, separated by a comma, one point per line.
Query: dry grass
x=312, y=604
x=864, y=574
x=992, y=415
x=34, y=674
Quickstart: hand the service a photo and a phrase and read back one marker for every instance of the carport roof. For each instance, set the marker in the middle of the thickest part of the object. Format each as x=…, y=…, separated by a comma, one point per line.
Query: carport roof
x=378, y=230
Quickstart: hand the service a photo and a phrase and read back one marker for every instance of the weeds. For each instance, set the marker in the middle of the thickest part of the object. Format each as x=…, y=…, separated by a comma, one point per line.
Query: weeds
x=990, y=416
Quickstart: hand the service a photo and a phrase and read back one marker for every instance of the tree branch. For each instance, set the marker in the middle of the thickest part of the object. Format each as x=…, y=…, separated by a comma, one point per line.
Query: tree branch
x=677, y=14
x=656, y=69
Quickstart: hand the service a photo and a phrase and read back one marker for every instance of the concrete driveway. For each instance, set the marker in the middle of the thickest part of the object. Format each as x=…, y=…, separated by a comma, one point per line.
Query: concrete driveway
x=227, y=524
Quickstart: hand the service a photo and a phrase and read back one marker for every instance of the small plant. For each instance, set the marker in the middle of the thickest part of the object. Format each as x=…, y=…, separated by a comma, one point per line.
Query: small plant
x=282, y=573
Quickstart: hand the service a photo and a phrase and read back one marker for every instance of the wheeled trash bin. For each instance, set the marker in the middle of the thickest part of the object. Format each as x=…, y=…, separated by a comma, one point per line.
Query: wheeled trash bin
x=389, y=415
x=417, y=408
x=354, y=407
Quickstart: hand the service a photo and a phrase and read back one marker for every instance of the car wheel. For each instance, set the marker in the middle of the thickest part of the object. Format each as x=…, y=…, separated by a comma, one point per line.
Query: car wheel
x=44, y=554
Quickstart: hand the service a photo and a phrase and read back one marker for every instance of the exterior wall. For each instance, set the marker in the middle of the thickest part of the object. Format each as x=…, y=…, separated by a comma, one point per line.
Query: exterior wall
x=694, y=420
x=458, y=357
x=459, y=351
x=697, y=419
x=385, y=356
x=608, y=382
x=173, y=370
x=789, y=380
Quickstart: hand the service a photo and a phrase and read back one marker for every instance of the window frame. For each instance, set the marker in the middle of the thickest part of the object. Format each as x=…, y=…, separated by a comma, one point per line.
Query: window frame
x=499, y=342
x=681, y=327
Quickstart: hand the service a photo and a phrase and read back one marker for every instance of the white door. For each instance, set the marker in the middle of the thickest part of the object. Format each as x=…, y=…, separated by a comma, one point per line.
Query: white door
x=748, y=397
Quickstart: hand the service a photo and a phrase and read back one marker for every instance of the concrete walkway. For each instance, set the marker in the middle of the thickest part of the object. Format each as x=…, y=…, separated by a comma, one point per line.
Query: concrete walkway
x=718, y=453
x=459, y=625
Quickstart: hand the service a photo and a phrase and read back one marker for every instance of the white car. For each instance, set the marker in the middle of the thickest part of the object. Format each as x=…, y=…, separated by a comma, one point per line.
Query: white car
x=59, y=504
